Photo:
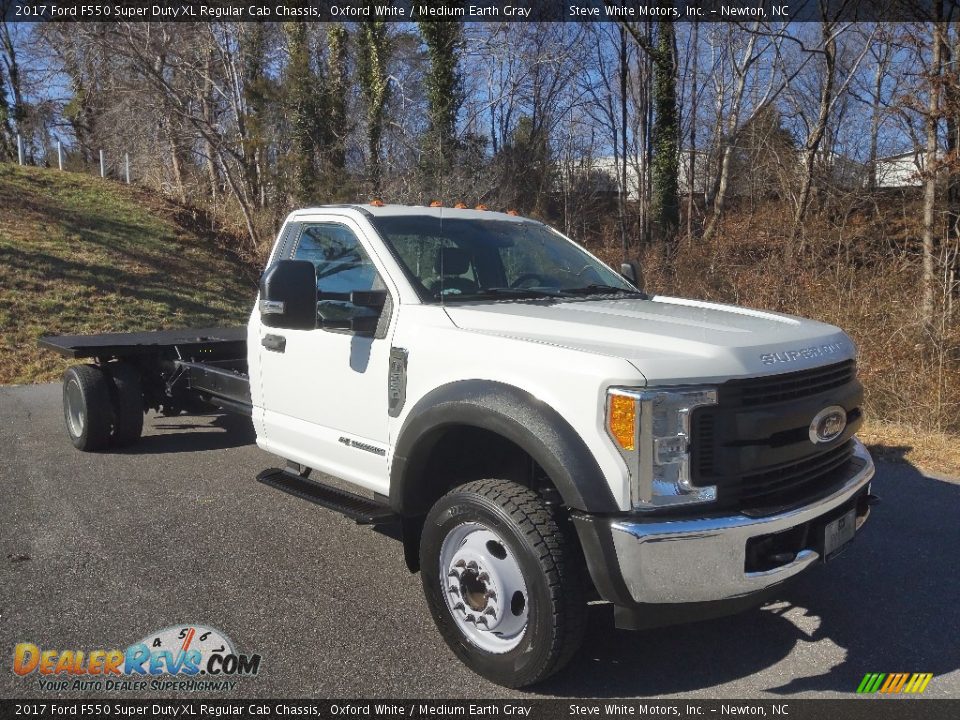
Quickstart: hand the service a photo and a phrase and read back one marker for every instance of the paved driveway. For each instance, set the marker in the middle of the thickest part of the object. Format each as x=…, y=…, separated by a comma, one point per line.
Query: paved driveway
x=96, y=551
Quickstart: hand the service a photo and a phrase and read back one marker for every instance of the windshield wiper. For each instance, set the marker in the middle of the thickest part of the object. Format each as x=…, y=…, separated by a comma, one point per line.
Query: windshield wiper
x=599, y=289
x=505, y=293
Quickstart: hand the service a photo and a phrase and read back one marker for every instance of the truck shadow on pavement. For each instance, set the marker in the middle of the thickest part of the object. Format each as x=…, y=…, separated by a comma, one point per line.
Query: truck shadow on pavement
x=888, y=604
x=193, y=433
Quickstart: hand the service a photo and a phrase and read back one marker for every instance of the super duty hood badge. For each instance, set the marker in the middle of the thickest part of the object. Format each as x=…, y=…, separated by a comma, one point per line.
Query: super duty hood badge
x=814, y=351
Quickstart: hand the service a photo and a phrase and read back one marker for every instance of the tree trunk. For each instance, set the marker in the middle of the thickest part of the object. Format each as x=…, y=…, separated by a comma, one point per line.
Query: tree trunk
x=622, y=204
x=176, y=165
x=723, y=183
x=666, y=135
x=875, y=117
x=375, y=85
x=692, y=167
x=930, y=166
x=815, y=138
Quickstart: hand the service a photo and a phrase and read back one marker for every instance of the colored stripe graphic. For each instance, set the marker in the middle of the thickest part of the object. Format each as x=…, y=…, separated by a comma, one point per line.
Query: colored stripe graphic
x=871, y=682
x=921, y=682
x=894, y=683
x=865, y=683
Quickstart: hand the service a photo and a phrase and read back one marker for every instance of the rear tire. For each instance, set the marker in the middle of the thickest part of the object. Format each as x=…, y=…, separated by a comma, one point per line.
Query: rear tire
x=87, y=409
x=127, y=397
x=504, y=579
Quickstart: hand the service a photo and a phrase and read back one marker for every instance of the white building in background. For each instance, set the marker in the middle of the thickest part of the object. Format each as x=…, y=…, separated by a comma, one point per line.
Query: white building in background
x=895, y=171
x=899, y=171
x=608, y=167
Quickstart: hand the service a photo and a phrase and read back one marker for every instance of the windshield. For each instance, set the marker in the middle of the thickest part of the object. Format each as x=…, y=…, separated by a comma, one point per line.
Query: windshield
x=454, y=259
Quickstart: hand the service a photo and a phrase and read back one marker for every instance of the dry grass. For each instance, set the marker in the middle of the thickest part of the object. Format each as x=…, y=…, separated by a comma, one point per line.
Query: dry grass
x=930, y=451
x=83, y=255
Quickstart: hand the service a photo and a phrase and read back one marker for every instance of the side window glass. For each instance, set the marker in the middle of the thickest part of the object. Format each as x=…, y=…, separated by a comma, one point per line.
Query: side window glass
x=342, y=267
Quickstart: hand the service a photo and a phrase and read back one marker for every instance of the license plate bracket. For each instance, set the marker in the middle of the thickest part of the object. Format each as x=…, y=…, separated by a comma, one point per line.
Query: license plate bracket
x=838, y=533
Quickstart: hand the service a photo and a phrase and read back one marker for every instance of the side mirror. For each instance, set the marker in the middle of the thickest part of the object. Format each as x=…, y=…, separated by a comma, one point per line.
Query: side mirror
x=630, y=272
x=288, y=295
x=358, y=311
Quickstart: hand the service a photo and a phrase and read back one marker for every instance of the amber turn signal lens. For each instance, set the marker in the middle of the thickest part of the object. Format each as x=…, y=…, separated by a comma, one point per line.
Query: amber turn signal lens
x=621, y=420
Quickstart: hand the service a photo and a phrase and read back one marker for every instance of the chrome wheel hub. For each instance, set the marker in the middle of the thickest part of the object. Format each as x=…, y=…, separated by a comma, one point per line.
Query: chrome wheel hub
x=484, y=587
x=74, y=409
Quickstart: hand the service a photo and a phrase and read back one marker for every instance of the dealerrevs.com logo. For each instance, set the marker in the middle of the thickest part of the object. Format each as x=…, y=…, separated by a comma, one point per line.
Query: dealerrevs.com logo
x=184, y=658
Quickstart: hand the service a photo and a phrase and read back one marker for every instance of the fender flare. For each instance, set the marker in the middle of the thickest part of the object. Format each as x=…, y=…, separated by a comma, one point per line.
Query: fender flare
x=512, y=413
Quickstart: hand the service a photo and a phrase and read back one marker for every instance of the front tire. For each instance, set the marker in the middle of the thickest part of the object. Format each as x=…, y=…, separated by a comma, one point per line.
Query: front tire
x=87, y=409
x=504, y=579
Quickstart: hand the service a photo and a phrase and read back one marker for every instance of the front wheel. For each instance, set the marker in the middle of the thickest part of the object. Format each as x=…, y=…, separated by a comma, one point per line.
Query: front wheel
x=504, y=579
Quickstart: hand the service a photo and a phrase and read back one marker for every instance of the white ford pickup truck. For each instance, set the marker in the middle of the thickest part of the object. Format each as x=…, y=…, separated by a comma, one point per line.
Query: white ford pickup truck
x=542, y=432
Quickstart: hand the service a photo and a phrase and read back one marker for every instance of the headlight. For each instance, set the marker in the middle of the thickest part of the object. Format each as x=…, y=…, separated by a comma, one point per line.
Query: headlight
x=651, y=429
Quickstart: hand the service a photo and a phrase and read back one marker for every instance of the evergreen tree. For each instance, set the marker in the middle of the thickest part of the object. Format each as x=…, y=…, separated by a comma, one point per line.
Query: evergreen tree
x=372, y=63
x=665, y=203
x=302, y=86
x=257, y=97
x=445, y=96
x=338, y=85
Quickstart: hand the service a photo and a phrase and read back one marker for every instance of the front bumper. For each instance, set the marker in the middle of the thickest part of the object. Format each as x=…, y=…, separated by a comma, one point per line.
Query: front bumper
x=637, y=562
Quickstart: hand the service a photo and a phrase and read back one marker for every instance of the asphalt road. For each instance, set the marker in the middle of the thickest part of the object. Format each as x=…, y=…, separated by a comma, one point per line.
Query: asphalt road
x=97, y=551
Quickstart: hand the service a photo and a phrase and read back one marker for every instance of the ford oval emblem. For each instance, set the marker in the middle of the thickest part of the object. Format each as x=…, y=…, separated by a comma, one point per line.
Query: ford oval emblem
x=828, y=424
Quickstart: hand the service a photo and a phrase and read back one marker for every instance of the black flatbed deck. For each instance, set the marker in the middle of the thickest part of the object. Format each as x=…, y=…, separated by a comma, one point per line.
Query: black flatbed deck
x=209, y=364
x=122, y=345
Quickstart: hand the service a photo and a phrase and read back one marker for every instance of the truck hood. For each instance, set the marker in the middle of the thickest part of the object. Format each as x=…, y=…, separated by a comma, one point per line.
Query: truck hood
x=668, y=340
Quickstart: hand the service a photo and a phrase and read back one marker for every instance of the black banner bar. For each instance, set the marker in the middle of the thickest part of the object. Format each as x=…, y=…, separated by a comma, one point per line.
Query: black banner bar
x=748, y=11
x=857, y=708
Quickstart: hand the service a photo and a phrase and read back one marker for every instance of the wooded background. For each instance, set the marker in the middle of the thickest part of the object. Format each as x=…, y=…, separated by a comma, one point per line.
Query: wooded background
x=806, y=167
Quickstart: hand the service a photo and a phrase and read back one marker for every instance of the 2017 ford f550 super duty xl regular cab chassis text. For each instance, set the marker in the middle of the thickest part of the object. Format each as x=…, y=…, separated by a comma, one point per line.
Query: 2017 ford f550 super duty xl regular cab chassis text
x=543, y=432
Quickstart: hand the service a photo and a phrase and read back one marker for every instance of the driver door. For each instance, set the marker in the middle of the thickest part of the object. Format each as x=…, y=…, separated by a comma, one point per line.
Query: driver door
x=325, y=390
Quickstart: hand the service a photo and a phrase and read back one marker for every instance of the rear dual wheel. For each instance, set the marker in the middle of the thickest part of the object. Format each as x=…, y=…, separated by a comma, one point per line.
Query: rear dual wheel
x=127, y=402
x=504, y=579
x=102, y=405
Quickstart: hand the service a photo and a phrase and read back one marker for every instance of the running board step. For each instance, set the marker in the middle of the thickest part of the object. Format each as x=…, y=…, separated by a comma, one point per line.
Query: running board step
x=363, y=511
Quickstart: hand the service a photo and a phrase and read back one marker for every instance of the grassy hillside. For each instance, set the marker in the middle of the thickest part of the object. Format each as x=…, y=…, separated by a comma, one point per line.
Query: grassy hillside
x=82, y=255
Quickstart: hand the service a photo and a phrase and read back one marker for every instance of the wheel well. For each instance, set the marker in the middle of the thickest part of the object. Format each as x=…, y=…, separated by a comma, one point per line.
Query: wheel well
x=455, y=455
x=459, y=454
